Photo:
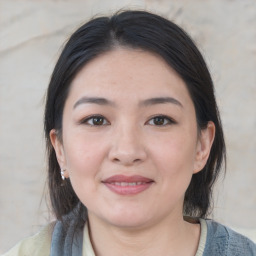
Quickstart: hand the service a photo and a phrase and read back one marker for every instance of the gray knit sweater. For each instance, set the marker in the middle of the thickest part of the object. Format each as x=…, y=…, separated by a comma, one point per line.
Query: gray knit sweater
x=220, y=241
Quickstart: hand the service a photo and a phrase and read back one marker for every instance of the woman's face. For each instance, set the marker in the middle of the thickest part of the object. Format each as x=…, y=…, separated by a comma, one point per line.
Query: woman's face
x=130, y=142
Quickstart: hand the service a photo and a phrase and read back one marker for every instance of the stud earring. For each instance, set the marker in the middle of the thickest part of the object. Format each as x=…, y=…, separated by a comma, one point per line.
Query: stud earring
x=62, y=174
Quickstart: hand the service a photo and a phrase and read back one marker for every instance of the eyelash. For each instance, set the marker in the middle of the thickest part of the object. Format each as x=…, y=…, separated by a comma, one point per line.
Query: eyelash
x=167, y=120
x=86, y=120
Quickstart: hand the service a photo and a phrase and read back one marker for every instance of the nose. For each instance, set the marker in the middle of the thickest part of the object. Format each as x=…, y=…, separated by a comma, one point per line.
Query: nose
x=127, y=147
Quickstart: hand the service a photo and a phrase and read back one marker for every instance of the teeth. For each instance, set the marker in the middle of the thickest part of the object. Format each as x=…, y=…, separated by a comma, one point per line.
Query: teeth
x=125, y=184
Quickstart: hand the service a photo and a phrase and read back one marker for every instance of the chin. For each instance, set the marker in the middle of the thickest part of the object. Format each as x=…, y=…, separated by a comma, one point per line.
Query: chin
x=129, y=220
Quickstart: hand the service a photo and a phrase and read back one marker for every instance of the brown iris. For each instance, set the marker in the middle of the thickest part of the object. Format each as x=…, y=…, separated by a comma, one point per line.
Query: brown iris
x=159, y=120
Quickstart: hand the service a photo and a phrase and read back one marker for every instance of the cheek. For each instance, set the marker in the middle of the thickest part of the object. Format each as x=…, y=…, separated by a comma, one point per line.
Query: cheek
x=175, y=150
x=174, y=157
x=83, y=154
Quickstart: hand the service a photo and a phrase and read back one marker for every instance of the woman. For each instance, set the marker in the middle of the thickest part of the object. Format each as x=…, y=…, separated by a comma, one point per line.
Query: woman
x=135, y=145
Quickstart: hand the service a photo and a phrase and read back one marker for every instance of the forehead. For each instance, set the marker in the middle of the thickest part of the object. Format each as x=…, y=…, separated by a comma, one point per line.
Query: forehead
x=128, y=74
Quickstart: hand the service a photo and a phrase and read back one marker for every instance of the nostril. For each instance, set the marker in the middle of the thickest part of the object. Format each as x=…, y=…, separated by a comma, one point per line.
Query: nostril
x=126, y=161
x=127, y=153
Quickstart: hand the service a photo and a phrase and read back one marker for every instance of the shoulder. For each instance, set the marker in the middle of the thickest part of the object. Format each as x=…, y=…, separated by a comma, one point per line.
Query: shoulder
x=222, y=240
x=37, y=245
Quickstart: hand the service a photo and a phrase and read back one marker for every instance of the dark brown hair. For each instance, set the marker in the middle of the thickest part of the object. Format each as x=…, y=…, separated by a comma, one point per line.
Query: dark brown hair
x=153, y=33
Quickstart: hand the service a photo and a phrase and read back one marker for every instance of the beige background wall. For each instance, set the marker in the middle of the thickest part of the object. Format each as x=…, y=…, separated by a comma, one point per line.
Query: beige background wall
x=31, y=33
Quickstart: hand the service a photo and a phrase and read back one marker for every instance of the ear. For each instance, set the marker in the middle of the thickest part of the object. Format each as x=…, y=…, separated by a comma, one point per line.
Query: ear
x=204, y=146
x=59, y=151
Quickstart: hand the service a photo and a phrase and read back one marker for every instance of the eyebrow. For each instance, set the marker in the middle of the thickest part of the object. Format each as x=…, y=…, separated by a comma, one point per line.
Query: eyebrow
x=94, y=100
x=144, y=103
x=160, y=100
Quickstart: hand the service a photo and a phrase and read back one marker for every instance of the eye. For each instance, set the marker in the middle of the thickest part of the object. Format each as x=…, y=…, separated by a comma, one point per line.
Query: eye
x=95, y=120
x=161, y=120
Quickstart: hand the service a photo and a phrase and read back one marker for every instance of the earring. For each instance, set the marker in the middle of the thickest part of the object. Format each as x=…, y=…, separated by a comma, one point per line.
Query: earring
x=62, y=174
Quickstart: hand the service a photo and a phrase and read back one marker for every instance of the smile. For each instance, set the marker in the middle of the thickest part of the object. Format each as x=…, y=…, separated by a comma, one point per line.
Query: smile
x=127, y=185
x=124, y=184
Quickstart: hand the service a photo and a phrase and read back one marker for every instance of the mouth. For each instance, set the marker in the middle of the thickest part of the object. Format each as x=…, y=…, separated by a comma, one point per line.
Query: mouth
x=127, y=185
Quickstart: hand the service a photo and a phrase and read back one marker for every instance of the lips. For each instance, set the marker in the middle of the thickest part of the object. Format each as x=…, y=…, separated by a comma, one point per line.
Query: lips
x=127, y=185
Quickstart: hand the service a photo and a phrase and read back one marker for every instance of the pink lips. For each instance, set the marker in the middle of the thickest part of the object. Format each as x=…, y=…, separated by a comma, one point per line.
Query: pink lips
x=127, y=185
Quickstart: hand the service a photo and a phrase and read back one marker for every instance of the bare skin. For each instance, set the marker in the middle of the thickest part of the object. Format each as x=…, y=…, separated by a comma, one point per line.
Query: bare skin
x=182, y=238
x=130, y=146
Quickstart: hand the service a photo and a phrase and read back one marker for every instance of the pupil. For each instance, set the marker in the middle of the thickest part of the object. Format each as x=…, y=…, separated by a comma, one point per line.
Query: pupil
x=98, y=120
x=159, y=120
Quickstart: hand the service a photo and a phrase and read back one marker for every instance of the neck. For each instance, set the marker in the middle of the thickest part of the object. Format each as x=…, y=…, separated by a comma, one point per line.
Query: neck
x=165, y=238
